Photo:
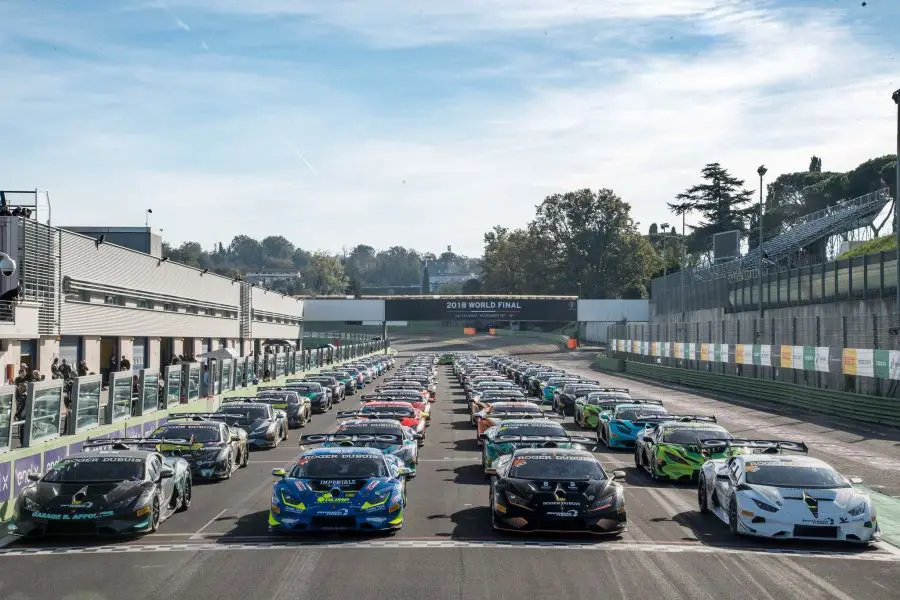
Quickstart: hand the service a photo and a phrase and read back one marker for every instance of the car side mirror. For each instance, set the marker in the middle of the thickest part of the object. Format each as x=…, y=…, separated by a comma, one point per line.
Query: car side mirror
x=418, y=436
x=491, y=471
x=33, y=477
x=236, y=438
x=618, y=475
x=404, y=471
x=278, y=473
x=167, y=473
x=855, y=480
x=647, y=439
x=722, y=476
x=432, y=400
x=482, y=436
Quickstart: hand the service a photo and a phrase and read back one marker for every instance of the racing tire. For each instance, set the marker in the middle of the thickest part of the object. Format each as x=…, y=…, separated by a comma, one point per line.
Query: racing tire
x=284, y=433
x=155, y=513
x=733, y=517
x=638, y=463
x=184, y=502
x=702, y=500
x=230, y=466
x=245, y=458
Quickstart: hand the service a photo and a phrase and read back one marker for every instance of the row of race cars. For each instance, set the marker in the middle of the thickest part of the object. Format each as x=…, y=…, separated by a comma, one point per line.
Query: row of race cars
x=121, y=485
x=545, y=478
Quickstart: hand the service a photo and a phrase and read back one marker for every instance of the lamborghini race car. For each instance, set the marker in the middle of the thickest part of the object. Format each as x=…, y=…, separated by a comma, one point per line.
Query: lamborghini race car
x=265, y=426
x=762, y=492
x=540, y=489
x=512, y=434
x=588, y=408
x=334, y=389
x=215, y=449
x=344, y=489
x=107, y=488
x=554, y=383
x=401, y=411
x=496, y=412
x=619, y=426
x=672, y=448
x=489, y=397
x=400, y=395
x=564, y=398
x=388, y=436
x=295, y=401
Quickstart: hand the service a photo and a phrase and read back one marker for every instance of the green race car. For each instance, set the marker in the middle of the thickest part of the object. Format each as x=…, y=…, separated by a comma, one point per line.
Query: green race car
x=511, y=434
x=588, y=408
x=671, y=449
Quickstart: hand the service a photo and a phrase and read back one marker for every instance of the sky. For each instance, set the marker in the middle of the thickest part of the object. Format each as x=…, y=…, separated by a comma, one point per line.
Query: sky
x=424, y=123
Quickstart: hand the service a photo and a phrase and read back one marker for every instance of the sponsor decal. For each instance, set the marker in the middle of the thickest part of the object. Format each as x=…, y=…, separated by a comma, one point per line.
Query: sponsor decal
x=5, y=481
x=560, y=504
x=329, y=499
x=812, y=504
x=24, y=466
x=828, y=521
x=563, y=514
x=51, y=457
x=334, y=513
x=337, y=482
x=77, y=517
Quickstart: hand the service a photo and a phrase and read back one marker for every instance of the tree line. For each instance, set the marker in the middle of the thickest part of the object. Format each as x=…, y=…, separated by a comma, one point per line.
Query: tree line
x=581, y=242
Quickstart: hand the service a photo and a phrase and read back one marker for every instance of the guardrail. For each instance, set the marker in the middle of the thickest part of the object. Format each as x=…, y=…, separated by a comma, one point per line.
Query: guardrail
x=859, y=407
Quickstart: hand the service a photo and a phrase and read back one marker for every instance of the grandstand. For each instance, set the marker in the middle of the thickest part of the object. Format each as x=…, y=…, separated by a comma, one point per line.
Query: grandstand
x=835, y=220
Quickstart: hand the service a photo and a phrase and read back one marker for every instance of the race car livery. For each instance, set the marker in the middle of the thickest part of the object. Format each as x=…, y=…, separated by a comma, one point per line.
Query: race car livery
x=214, y=451
x=388, y=436
x=401, y=411
x=556, y=490
x=619, y=426
x=672, y=449
x=564, y=398
x=343, y=489
x=334, y=389
x=411, y=397
x=588, y=408
x=764, y=493
x=496, y=412
x=297, y=400
x=108, y=488
x=512, y=434
x=265, y=426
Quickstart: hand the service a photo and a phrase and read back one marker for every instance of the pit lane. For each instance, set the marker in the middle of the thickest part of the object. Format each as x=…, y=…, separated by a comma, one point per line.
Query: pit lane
x=221, y=548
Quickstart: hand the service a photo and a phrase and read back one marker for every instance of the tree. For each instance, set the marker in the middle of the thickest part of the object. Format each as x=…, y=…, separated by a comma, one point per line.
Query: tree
x=815, y=165
x=513, y=264
x=324, y=275
x=654, y=229
x=279, y=252
x=722, y=203
x=300, y=258
x=426, y=278
x=472, y=287
x=247, y=251
x=353, y=288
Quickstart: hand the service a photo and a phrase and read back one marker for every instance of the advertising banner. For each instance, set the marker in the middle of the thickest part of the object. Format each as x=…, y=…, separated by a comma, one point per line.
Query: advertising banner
x=822, y=363
x=488, y=309
x=848, y=361
x=765, y=355
x=865, y=362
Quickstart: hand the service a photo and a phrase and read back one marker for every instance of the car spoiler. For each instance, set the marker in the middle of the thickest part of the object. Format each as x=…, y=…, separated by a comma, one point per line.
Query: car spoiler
x=675, y=419
x=196, y=416
x=233, y=399
x=349, y=439
x=644, y=401
x=767, y=446
x=558, y=439
x=381, y=414
x=123, y=443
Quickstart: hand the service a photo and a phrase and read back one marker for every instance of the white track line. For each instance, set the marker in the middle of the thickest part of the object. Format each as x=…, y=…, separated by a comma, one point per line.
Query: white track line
x=197, y=534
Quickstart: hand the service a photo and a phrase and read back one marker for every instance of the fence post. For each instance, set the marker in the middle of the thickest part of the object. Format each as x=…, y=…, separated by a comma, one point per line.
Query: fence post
x=794, y=343
x=818, y=343
x=875, y=347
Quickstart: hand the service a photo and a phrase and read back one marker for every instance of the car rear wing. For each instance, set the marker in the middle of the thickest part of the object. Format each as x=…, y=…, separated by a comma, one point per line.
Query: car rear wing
x=517, y=414
x=545, y=439
x=234, y=399
x=197, y=416
x=766, y=446
x=381, y=414
x=644, y=401
x=656, y=419
x=387, y=397
x=125, y=443
x=349, y=439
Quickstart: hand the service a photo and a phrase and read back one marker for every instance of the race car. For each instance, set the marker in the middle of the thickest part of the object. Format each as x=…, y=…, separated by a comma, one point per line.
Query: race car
x=536, y=384
x=107, y=488
x=619, y=426
x=762, y=492
x=404, y=444
x=564, y=398
x=265, y=426
x=340, y=489
x=512, y=434
x=215, y=449
x=554, y=383
x=588, y=408
x=556, y=490
x=410, y=396
x=319, y=396
x=401, y=411
x=406, y=384
x=497, y=412
x=672, y=449
x=489, y=397
x=344, y=378
x=334, y=389
x=295, y=401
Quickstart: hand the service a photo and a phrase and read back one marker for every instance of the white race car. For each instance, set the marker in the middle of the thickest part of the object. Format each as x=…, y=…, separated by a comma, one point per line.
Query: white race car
x=759, y=491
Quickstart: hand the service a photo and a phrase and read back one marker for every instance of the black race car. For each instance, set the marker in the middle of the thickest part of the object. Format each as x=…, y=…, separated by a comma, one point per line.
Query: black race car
x=108, y=488
x=215, y=449
x=564, y=400
x=296, y=405
x=329, y=382
x=265, y=426
x=555, y=490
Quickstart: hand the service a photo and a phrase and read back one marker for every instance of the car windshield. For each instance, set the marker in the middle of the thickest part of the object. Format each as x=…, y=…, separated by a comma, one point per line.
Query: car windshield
x=201, y=433
x=630, y=414
x=305, y=388
x=272, y=398
x=596, y=400
x=339, y=466
x=322, y=381
x=793, y=476
x=519, y=407
x=688, y=436
x=554, y=429
x=374, y=429
x=100, y=468
x=253, y=412
x=565, y=467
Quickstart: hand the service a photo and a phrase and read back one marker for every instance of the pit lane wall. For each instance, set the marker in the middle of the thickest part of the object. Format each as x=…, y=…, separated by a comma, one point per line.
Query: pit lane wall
x=702, y=361
x=15, y=465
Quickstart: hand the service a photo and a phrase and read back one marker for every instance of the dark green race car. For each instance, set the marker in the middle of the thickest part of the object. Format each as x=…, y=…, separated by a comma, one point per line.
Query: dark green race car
x=512, y=434
x=588, y=408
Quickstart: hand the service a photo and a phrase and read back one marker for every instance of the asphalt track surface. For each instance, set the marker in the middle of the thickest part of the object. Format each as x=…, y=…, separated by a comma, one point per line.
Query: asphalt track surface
x=221, y=548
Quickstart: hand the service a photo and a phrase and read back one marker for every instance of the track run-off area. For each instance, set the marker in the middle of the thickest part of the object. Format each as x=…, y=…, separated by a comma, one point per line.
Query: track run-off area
x=221, y=547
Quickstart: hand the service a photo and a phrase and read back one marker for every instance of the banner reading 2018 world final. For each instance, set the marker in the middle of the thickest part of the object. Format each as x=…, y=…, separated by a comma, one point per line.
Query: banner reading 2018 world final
x=485, y=309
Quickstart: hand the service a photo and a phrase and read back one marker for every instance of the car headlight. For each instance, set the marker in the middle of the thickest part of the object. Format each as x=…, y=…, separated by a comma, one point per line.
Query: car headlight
x=603, y=503
x=858, y=509
x=517, y=500
x=289, y=498
x=764, y=505
x=31, y=506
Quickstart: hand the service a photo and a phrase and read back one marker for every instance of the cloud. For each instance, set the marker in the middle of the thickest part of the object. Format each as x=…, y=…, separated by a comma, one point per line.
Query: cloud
x=427, y=125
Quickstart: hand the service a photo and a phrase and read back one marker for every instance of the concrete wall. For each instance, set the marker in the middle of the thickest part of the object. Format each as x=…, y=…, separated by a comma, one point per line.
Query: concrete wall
x=343, y=310
x=613, y=310
x=24, y=325
x=10, y=356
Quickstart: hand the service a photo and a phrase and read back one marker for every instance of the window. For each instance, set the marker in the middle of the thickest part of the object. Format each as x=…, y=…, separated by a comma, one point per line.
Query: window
x=168, y=306
x=112, y=299
x=154, y=468
x=142, y=303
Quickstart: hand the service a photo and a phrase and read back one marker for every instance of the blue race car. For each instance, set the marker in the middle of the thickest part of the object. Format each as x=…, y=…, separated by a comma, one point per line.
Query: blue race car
x=620, y=426
x=340, y=489
x=404, y=445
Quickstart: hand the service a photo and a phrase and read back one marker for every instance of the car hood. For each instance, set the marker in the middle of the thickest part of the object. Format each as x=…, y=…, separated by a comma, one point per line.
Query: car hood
x=826, y=500
x=54, y=496
x=553, y=492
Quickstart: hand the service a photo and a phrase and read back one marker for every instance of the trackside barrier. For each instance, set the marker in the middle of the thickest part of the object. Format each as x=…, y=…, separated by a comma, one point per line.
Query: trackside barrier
x=859, y=407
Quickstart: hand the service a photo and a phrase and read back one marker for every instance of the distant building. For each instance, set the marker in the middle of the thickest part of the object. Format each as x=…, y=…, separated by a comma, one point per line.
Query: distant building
x=141, y=239
x=270, y=278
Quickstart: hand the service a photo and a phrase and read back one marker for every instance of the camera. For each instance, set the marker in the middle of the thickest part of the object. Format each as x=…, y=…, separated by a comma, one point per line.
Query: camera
x=7, y=265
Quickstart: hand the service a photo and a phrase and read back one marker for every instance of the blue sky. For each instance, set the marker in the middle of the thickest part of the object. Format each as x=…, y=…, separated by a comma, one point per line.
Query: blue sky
x=424, y=124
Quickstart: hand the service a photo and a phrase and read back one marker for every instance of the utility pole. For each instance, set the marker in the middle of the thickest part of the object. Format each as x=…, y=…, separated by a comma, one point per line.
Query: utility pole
x=761, y=171
x=896, y=97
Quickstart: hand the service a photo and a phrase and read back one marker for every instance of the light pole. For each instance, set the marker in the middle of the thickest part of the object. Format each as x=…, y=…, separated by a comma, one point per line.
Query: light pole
x=147, y=217
x=761, y=171
x=896, y=97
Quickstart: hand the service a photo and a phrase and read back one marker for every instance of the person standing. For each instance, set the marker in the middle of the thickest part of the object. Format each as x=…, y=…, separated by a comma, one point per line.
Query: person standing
x=54, y=369
x=126, y=364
